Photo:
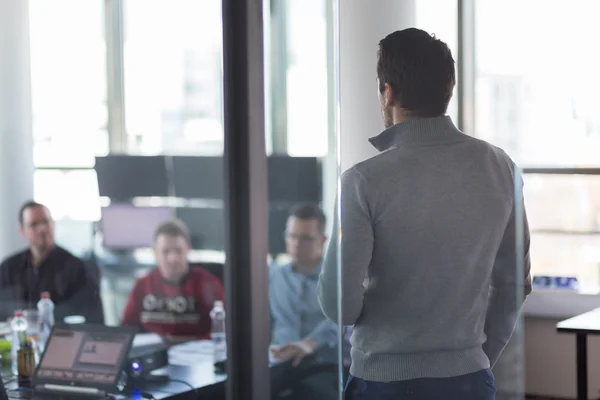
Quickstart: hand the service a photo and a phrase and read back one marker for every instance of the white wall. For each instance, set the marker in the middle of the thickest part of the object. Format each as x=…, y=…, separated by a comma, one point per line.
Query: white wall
x=16, y=142
x=362, y=25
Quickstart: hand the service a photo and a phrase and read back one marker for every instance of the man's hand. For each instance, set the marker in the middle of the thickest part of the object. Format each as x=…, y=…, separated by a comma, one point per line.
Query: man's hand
x=296, y=351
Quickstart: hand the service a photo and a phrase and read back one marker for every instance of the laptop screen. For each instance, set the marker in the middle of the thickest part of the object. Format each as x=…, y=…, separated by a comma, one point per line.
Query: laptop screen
x=77, y=356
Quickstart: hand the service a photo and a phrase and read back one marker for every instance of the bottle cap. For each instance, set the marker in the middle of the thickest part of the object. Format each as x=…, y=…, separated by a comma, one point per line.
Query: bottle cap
x=19, y=313
x=219, y=303
x=45, y=295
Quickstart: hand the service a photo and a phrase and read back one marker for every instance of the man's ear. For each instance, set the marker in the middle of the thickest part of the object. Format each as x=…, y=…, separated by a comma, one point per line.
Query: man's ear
x=324, y=239
x=388, y=95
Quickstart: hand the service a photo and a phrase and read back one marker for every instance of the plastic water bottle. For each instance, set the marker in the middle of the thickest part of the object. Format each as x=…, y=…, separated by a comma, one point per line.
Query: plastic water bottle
x=45, y=318
x=217, y=316
x=19, y=337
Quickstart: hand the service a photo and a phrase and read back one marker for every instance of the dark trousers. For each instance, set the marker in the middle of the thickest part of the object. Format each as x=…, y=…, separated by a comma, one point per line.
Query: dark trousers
x=476, y=386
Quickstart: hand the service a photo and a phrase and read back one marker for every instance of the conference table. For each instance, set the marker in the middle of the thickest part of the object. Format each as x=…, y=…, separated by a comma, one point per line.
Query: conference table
x=581, y=326
x=191, y=375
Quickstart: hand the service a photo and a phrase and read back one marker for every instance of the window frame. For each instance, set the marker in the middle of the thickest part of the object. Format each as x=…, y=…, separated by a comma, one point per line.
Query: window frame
x=541, y=303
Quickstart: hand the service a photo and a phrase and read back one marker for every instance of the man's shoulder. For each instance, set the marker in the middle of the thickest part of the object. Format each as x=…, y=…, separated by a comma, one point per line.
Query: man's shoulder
x=201, y=276
x=205, y=286
x=494, y=154
x=380, y=164
x=66, y=255
x=483, y=144
x=147, y=279
x=14, y=259
x=278, y=271
x=374, y=166
x=153, y=274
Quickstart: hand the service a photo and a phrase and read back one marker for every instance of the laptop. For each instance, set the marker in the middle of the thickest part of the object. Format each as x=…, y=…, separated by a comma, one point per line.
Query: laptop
x=82, y=361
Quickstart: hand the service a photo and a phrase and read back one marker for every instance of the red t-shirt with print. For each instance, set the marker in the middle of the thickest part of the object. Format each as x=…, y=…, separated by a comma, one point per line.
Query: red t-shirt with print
x=170, y=309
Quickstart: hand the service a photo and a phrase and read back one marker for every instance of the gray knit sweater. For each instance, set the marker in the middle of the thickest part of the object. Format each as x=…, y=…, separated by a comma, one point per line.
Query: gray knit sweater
x=432, y=276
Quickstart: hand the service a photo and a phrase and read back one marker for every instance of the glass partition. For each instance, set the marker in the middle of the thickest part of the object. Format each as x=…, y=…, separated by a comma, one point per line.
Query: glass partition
x=535, y=87
x=123, y=252
x=305, y=343
x=126, y=235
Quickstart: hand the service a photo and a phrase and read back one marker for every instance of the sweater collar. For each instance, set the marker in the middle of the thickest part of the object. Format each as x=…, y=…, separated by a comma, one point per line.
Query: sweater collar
x=416, y=132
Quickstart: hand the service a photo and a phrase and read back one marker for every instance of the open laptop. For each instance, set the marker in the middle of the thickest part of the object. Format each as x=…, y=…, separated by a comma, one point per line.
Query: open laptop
x=83, y=360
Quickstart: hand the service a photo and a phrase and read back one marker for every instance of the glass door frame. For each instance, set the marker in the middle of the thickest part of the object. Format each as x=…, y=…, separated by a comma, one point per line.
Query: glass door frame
x=246, y=272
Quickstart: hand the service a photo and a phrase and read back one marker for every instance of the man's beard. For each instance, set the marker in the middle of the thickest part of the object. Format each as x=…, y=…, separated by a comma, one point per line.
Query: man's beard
x=386, y=113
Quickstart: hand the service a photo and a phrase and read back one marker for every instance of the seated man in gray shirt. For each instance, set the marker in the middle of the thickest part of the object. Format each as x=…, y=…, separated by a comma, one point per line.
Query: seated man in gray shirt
x=435, y=243
x=299, y=327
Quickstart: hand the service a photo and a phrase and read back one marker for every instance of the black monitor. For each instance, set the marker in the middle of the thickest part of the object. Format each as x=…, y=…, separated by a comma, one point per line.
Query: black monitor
x=126, y=227
x=294, y=179
x=123, y=177
x=198, y=177
x=206, y=225
x=278, y=216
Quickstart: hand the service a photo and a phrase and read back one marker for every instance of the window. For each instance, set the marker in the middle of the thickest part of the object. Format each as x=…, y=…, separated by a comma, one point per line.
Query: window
x=69, y=194
x=537, y=85
x=307, y=79
x=68, y=73
x=564, y=218
x=173, y=75
x=536, y=97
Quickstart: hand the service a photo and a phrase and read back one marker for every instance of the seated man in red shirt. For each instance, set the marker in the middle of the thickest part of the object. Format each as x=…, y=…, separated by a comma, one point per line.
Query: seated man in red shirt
x=175, y=299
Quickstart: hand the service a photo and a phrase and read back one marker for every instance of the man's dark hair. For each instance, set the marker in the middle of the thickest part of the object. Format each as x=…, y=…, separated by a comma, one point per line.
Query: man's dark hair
x=173, y=227
x=27, y=205
x=420, y=70
x=308, y=211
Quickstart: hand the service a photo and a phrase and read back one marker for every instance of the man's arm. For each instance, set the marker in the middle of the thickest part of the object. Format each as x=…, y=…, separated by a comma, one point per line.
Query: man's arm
x=357, y=240
x=83, y=295
x=510, y=285
x=285, y=321
x=212, y=290
x=9, y=301
x=325, y=334
x=95, y=311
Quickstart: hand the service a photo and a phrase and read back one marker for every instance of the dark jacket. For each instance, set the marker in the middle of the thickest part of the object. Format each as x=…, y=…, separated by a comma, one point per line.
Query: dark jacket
x=3, y=395
x=61, y=273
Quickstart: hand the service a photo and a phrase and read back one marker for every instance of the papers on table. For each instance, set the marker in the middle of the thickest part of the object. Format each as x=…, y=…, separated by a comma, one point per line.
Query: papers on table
x=193, y=352
x=200, y=351
x=146, y=339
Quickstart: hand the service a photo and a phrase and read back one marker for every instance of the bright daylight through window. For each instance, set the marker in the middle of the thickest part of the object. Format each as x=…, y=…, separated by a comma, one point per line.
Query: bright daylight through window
x=537, y=97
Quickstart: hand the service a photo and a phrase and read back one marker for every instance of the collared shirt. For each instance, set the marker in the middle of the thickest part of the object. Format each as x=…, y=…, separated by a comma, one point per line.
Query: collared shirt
x=295, y=310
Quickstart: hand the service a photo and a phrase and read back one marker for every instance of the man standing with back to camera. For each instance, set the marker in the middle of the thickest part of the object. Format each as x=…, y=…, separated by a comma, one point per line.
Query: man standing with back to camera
x=430, y=275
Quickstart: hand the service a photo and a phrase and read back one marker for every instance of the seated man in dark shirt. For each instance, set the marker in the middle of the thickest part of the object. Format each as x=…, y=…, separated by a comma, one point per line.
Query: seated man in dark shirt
x=175, y=299
x=46, y=267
